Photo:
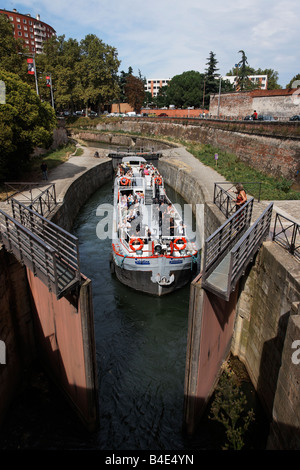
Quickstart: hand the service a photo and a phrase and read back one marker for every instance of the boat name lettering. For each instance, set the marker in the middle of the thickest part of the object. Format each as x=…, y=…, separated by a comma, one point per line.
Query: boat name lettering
x=176, y=261
x=141, y=261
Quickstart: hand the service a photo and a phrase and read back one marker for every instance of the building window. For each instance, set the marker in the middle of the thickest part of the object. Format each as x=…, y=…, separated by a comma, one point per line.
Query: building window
x=18, y=20
x=19, y=33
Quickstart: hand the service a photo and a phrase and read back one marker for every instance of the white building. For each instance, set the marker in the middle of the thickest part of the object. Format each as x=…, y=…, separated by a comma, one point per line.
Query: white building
x=260, y=80
x=154, y=84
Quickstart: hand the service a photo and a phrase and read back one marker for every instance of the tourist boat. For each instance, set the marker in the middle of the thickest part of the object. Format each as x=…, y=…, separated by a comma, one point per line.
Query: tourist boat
x=150, y=250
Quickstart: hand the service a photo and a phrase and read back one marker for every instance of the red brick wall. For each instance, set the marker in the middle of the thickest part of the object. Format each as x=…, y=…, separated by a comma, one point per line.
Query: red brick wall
x=126, y=108
x=279, y=103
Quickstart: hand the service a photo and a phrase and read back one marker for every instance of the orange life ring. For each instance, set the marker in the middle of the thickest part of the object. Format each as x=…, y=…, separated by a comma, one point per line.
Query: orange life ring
x=158, y=180
x=124, y=181
x=134, y=240
x=180, y=247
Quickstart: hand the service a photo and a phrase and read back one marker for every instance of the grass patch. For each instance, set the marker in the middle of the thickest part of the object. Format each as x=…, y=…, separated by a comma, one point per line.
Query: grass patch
x=229, y=166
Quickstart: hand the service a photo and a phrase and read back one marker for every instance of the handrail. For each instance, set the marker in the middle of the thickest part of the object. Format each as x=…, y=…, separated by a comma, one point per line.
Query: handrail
x=134, y=150
x=25, y=186
x=249, y=242
x=227, y=271
x=287, y=236
x=30, y=250
x=44, y=200
x=64, y=243
x=27, y=231
x=221, y=241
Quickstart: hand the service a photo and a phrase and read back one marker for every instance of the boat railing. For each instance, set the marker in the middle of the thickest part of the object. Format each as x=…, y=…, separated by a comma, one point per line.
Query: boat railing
x=138, y=181
x=164, y=242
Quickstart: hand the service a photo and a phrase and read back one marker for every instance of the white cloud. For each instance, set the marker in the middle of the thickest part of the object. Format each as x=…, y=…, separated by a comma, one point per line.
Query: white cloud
x=166, y=37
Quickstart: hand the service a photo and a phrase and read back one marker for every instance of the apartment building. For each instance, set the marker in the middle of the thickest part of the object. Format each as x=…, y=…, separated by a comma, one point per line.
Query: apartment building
x=260, y=80
x=32, y=30
x=153, y=85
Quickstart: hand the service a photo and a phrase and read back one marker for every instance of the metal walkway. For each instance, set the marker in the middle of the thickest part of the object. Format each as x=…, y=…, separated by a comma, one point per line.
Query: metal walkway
x=46, y=249
x=231, y=248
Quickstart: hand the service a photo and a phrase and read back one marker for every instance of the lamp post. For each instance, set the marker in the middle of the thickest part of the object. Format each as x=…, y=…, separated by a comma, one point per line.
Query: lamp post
x=51, y=89
x=32, y=56
x=219, y=97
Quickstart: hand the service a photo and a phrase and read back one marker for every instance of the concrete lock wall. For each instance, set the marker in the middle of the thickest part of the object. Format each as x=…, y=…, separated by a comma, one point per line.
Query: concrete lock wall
x=64, y=333
x=271, y=154
x=16, y=329
x=268, y=306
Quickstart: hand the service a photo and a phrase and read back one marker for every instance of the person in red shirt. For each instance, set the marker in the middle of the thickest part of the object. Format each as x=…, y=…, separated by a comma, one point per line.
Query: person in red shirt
x=254, y=115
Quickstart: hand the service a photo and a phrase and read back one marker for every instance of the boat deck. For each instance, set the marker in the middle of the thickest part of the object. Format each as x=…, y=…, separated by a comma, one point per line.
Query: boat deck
x=145, y=212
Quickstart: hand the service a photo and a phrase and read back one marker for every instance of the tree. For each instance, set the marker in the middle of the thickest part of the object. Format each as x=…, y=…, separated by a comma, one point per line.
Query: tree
x=25, y=123
x=97, y=71
x=185, y=90
x=272, y=78
x=242, y=76
x=249, y=85
x=229, y=408
x=295, y=82
x=83, y=74
x=211, y=78
x=122, y=83
x=10, y=48
x=135, y=92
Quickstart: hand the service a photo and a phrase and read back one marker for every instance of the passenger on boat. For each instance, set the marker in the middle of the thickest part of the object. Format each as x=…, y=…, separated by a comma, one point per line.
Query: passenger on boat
x=181, y=229
x=170, y=210
x=172, y=227
x=124, y=201
x=130, y=200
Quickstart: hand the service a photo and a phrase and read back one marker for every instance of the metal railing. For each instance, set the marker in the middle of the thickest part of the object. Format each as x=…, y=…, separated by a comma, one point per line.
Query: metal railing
x=287, y=234
x=63, y=244
x=223, y=281
x=43, y=203
x=30, y=250
x=134, y=149
x=225, y=200
x=221, y=241
x=247, y=246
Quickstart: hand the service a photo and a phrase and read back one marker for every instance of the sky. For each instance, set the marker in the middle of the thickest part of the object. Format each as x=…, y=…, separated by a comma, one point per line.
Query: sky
x=164, y=38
